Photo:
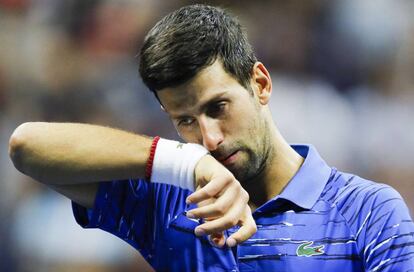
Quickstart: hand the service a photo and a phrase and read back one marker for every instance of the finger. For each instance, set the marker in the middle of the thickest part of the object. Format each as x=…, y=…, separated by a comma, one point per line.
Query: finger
x=218, y=207
x=212, y=189
x=230, y=219
x=201, y=204
x=247, y=229
x=217, y=239
x=206, y=202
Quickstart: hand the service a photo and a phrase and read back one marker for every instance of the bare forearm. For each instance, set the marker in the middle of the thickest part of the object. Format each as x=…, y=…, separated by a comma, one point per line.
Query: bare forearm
x=68, y=153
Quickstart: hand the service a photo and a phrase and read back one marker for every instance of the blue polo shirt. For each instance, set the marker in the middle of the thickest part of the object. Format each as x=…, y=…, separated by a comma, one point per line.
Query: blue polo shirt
x=324, y=220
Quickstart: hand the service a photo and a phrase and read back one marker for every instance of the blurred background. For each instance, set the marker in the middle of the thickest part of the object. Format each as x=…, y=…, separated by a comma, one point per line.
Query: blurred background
x=343, y=75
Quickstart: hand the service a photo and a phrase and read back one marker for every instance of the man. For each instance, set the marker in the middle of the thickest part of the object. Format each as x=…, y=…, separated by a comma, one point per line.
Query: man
x=308, y=216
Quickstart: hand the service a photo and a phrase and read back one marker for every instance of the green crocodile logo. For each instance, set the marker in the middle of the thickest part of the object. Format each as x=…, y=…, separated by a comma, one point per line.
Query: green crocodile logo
x=306, y=250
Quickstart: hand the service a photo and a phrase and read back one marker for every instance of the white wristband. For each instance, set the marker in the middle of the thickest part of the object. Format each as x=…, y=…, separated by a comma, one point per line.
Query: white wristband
x=174, y=163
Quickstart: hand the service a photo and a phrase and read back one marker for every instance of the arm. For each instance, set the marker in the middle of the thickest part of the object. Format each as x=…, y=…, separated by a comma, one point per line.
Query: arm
x=68, y=153
x=72, y=158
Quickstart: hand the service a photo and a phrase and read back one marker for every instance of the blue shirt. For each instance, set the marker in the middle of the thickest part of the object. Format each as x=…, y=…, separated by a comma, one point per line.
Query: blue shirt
x=324, y=220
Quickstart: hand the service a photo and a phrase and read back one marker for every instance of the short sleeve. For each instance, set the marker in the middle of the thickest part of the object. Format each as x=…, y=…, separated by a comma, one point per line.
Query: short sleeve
x=387, y=233
x=121, y=208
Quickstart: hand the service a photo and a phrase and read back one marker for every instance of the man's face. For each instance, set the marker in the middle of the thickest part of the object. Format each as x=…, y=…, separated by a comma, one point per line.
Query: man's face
x=213, y=109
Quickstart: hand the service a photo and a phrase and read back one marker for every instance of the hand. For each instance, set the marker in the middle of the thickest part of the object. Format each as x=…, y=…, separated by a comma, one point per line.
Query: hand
x=222, y=202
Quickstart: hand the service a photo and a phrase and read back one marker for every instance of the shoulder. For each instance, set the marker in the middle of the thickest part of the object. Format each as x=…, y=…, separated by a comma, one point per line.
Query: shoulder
x=377, y=218
x=363, y=202
x=346, y=191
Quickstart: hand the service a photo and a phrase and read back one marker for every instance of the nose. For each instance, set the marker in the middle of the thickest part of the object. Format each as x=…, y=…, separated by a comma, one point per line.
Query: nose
x=211, y=133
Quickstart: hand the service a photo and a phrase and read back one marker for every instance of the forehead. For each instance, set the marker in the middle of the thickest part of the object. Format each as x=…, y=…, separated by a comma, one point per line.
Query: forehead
x=210, y=83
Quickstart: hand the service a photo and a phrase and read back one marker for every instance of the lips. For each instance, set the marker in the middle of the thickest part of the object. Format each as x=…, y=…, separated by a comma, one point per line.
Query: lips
x=227, y=159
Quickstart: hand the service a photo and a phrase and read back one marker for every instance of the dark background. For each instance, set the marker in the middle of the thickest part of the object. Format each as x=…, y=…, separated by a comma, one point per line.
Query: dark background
x=343, y=75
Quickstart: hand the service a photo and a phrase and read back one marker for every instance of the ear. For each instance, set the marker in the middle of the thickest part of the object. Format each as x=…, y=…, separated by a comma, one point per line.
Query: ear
x=262, y=83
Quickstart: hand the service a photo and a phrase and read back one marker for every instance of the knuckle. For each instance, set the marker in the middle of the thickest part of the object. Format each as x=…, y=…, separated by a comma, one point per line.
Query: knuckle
x=237, y=238
x=245, y=195
x=228, y=224
x=195, y=213
x=253, y=228
x=229, y=176
x=228, y=180
x=235, y=181
x=216, y=190
x=218, y=211
x=232, y=221
x=196, y=195
x=241, y=237
x=210, y=193
x=221, y=207
x=236, y=185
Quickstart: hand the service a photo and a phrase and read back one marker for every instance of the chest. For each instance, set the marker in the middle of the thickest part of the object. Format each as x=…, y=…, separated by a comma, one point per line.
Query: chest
x=306, y=241
x=289, y=241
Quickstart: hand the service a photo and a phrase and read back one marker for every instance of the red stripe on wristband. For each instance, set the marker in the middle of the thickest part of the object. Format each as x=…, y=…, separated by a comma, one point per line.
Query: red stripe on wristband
x=148, y=167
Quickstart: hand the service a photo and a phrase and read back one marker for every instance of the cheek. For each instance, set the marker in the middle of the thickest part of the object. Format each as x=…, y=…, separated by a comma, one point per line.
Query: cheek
x=247, y=121
x=252, y=132
x=188, y=135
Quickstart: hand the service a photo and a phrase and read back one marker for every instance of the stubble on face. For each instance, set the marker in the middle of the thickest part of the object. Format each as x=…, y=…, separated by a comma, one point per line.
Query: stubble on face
x=244, y=125
x=255, y=153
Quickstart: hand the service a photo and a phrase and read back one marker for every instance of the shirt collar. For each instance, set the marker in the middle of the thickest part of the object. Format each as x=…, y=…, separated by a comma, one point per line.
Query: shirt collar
x=304, y=189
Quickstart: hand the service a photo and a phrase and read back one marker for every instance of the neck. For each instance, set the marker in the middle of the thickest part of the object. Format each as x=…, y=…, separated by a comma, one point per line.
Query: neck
x=281, y=165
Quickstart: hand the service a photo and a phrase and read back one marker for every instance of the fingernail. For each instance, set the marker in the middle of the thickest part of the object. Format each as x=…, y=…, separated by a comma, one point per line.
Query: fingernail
x=187, y=201
x=200, y=232
x=231, y=242
x=190, y=215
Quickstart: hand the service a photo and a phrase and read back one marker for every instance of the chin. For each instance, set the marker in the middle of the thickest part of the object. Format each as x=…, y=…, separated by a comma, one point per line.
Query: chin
x=243, y=169
x=240, y=175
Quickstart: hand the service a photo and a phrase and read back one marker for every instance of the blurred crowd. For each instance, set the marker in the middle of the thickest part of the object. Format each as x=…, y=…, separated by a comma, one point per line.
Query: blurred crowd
x=343, y=80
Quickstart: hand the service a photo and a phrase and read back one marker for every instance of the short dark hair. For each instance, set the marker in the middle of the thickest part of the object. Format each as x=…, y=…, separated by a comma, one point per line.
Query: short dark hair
x=190, y=39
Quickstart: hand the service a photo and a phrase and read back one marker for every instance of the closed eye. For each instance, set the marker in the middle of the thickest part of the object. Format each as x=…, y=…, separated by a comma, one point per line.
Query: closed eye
x=185, y=121
x=216, y=109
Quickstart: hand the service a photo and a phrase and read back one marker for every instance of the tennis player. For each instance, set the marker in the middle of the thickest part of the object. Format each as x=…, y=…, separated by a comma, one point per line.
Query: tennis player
x=236, y=196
